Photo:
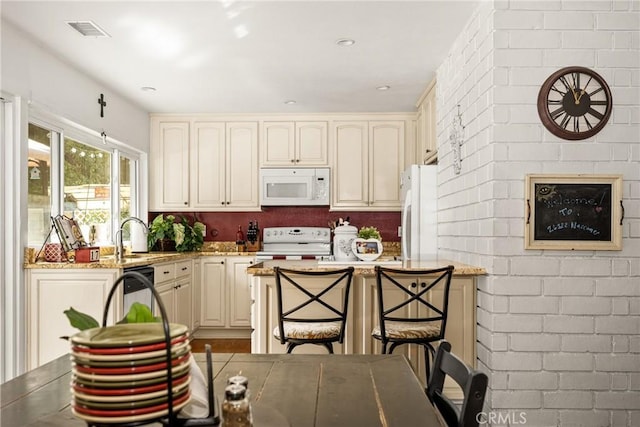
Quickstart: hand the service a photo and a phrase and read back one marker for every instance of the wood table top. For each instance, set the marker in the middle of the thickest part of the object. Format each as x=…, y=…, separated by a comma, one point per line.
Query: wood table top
x=307, y=390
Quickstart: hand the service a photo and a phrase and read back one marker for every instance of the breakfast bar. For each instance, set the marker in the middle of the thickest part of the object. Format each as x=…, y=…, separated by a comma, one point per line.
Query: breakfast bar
x=303, y=390
x=362, y=313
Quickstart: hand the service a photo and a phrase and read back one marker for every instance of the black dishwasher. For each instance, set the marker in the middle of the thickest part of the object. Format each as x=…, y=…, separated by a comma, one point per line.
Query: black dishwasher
x=135, y=290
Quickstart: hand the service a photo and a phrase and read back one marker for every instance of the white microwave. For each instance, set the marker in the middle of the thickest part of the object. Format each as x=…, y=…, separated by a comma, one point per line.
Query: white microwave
x=294, y=186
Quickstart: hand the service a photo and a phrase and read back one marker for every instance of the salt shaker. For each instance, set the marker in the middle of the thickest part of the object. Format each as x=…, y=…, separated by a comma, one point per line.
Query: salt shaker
x=236, y=411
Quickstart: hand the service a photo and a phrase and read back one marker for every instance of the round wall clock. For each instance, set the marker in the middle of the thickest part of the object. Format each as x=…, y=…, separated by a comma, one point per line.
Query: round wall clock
x=574, y=103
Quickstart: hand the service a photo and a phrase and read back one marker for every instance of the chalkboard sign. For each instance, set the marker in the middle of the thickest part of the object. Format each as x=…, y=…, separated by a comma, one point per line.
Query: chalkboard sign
x=577, y=212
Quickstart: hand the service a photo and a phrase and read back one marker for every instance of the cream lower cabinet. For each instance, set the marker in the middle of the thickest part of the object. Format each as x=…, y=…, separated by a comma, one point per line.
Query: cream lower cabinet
x=460, y=329
x=50, y=293
x=173, y=282
x=368, y=161
x=226, y=297
x=265, y=317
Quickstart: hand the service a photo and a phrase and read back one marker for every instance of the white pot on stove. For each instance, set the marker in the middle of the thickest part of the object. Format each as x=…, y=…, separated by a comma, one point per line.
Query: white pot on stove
x=344, y=235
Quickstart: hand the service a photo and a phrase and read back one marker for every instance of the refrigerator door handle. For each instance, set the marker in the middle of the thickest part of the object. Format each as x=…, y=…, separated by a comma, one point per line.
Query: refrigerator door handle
x=405, y=226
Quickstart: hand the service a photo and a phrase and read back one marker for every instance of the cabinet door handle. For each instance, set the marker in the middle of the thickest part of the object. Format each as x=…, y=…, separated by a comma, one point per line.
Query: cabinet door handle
x=414, y=284
x=221, y=262
x=293, y=160
x=222, y=203
x=184, y=268
x=166, y=272
x=423, y=285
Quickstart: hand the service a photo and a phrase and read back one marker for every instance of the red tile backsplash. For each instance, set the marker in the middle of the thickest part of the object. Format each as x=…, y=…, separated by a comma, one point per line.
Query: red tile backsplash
x=222, y=226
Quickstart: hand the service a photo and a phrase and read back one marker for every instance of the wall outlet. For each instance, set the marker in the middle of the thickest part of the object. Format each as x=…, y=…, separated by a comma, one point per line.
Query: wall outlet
x=399, y=231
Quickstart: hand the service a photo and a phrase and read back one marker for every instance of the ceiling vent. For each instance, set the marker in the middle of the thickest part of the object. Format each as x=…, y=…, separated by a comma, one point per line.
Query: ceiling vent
x=88, y=28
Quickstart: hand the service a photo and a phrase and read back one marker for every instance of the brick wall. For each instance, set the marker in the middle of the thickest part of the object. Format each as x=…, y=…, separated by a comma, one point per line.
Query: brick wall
x=558, y=331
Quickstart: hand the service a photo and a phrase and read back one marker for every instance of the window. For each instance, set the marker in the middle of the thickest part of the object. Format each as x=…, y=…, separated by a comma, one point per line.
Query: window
x=39, y=200
x=77, y=176
x=87, y=190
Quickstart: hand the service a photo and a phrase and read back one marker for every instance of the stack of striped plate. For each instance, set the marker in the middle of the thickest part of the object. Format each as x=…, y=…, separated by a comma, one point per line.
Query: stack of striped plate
x=119, y=373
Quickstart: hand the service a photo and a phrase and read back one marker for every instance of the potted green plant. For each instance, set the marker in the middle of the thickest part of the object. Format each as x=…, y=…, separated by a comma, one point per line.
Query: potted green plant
x=168, y=235
x=188, y=238
x=161, y=233
x=369, y=233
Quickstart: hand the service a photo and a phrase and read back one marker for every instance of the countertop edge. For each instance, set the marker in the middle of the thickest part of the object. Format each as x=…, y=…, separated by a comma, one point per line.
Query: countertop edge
x=139, y=260
x=266, y=268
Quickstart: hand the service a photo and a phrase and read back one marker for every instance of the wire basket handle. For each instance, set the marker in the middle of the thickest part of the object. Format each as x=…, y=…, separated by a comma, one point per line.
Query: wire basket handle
x=165, y=326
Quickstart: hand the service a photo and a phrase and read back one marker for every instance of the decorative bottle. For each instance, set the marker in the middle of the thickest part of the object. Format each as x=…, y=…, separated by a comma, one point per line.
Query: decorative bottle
x=240, y=244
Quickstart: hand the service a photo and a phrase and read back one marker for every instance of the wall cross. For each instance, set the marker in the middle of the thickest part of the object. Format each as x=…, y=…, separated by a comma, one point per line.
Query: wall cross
x=102, y=103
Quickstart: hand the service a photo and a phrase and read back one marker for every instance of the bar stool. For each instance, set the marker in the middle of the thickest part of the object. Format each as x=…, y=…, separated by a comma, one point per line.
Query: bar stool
x=305, y=317
x=412, y=308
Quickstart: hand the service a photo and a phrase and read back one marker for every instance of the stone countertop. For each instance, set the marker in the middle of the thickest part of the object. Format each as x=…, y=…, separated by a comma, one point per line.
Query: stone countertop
x=364, y=268
x=133, y=260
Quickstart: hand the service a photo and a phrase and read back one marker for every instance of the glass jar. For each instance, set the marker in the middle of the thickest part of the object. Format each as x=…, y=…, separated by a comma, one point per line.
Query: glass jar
x=236, y=411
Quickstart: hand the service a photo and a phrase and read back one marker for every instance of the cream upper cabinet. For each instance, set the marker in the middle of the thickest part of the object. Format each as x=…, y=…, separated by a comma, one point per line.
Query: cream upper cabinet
x=350, y=164
x=368, y=161
x=225, y=159
x=427, y=143
x=169, y=164
x=203, y=165
x=287, y=143
x=208, y=175
x=386, y=163
x=241, y=165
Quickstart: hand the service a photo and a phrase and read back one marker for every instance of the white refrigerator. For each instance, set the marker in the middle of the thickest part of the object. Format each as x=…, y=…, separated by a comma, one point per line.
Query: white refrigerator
x=419, y=191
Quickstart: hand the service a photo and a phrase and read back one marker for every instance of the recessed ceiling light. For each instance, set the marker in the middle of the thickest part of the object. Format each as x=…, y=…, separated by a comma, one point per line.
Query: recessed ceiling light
x=345, y=42
x=290, y=102
x=148, y=89
x=385, y=87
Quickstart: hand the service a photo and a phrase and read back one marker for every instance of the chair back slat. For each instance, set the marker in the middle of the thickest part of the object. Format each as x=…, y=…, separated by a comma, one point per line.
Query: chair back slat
x=473, y=384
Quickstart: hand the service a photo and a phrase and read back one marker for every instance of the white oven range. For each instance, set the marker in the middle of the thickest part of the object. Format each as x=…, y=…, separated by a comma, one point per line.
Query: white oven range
x=295, y=243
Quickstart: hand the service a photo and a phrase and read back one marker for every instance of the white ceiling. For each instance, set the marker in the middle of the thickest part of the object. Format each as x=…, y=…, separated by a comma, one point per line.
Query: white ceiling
x=251, y=56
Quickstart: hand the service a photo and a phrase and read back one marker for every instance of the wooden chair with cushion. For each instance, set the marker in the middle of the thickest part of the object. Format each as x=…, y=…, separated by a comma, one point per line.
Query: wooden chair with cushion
x=312, y=306
x=473, y=384
x=412, y=308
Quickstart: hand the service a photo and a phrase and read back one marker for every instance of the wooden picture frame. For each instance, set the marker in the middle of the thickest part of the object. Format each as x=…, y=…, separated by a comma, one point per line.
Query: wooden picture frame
x=573, y=212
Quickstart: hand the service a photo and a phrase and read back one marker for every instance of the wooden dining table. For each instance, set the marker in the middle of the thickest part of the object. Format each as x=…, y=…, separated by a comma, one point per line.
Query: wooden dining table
x=294, y=390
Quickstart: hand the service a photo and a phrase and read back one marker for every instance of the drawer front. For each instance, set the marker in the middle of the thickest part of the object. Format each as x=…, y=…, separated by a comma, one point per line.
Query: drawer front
x=184, y=268
x=164, y=272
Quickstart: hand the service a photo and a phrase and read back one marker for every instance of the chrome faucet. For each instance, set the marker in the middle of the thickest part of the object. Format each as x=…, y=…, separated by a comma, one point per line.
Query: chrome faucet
x=119, y=251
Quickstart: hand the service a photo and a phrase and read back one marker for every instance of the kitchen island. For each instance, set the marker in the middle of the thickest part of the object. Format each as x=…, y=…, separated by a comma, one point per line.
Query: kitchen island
x=362, y=315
